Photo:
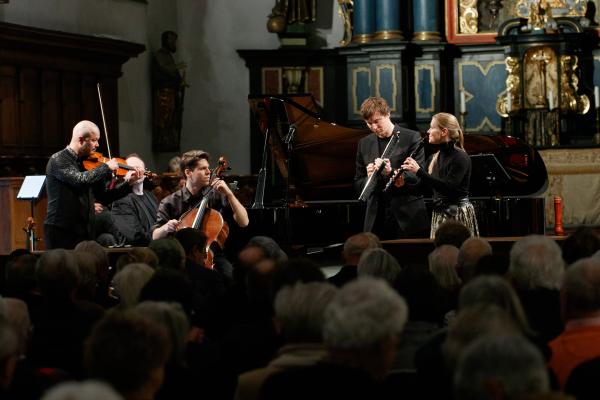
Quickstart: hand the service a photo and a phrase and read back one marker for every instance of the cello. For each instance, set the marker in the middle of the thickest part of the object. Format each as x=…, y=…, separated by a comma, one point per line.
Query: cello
x=209, y=221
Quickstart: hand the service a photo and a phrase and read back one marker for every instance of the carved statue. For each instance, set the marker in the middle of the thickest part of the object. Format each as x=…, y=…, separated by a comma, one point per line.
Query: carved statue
x=168, y=89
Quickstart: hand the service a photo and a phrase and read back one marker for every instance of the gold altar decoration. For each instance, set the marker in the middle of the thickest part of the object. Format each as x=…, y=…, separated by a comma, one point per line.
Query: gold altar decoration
x=540, y=76
x=559, y=8
x=569, y=100
x=345, y=12
x=468, y=16
x=512, y=100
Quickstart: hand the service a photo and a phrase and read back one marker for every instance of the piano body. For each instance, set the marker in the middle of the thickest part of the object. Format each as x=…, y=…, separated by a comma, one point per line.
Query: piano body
x=305, y=194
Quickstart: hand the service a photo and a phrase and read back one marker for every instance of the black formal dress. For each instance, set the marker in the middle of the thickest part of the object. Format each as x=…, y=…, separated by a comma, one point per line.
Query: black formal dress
x=401, y=212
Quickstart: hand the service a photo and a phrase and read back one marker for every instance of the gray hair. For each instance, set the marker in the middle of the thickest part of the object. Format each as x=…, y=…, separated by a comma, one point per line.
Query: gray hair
x=300, y=308
x=379, y=263
x=510, y=360
x=580, y=287
x=129, y=282
x=17, y=314
x=57, y=273
x=470, y=252
x=494, y=290
x=536, y=262
x=86, y=390
x=9, y=343
x=362, y=313
x=358, y=243
x=173, y=318
x=442, y=265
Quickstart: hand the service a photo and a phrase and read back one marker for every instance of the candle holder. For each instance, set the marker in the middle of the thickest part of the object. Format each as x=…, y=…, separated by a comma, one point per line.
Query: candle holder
x=597, y=135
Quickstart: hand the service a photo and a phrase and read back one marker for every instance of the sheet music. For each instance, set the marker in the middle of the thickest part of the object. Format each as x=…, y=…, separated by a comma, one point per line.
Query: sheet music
x=31, y=187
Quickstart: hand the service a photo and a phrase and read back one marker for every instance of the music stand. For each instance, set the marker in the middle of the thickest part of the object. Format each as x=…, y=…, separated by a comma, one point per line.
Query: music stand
x=30, y=190
x=486, y=168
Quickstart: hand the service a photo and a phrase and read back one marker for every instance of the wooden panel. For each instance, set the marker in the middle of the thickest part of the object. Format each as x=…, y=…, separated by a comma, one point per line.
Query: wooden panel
x=8, y=106
x=53, y=134
x=14, y=213
x=29, y=108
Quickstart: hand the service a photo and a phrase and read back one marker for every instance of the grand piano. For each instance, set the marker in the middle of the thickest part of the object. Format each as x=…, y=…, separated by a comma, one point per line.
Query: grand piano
x=305, y=196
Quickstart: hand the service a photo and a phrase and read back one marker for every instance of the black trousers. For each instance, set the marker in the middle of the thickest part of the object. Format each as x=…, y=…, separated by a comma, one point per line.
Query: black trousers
x=57, y=237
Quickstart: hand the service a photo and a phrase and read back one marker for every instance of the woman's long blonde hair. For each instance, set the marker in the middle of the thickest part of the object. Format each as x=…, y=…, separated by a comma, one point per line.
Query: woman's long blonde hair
x=455, y=133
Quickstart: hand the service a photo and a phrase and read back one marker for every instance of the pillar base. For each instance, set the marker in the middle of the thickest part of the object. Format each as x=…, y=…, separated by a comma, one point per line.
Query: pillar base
x=426, y=37
x=388, y=35
x=362, y=38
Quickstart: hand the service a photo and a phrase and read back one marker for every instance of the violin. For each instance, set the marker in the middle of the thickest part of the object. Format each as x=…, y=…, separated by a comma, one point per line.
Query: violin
x=209, y=221
x=96, y=159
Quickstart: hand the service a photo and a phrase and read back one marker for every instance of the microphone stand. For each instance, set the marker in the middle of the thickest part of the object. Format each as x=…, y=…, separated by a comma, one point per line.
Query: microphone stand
x=259, y=195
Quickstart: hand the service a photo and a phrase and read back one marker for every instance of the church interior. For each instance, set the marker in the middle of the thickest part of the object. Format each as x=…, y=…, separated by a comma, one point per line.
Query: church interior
x=272, y=90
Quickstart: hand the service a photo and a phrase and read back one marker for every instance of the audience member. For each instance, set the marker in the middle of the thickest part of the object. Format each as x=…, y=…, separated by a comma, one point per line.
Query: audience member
x=378, y=262
x=353, y=249
x=129, y=351
x=500, y=367
x=580, y=298
x=299, y=316
x=128, y=283
x=451, y=232
x=536, y=270
x=584, y=242
x=469, y=254
x=85, y=390
x=9, y=353
x=143, y=255
x=170, y=253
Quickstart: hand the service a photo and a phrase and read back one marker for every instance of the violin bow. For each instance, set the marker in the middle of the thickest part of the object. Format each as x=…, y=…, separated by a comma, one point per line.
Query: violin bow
x=104, y=122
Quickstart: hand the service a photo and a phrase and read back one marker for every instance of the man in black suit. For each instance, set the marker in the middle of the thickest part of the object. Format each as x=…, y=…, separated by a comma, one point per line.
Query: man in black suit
x=135, y=214
x=401, y=212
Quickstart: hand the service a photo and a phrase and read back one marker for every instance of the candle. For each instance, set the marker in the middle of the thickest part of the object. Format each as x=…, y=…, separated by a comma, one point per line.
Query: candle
x=508, y=102
x=463, y=107
x=597, y=96
x=550, y=100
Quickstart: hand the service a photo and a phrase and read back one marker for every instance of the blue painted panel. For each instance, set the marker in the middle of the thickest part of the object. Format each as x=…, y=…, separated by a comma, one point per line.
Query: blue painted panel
x=363, y=87
x=424, y=89
x=482, y=84
x=386, y=85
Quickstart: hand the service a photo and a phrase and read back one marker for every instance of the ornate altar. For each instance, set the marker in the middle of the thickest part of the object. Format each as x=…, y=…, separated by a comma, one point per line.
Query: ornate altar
x=549, y=78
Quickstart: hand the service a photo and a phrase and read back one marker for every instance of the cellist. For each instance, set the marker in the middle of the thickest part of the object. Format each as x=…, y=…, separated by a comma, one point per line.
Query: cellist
x=195, y=168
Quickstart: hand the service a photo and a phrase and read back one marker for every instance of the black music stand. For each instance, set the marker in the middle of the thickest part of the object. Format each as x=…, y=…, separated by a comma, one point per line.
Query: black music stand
x=30, y=190
x=487, y=170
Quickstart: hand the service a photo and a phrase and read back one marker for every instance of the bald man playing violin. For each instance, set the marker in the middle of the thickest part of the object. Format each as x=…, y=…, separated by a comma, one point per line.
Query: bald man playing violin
x=72, y=190
x=194, y=167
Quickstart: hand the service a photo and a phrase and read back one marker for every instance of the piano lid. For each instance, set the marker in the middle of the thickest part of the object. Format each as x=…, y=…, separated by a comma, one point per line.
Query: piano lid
x=318, y=157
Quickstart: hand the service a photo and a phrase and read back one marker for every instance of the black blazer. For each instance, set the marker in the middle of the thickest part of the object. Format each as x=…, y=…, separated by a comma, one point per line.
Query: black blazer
x=406, y=202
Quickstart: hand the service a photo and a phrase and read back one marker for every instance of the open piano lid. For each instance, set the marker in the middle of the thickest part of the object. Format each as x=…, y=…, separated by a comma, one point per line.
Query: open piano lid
x=322, y=155
x=317, y=156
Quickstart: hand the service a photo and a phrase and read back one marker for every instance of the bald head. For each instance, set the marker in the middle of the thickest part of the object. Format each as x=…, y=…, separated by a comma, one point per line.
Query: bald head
x=470, y=252
x=356, y=244
x=85, y=138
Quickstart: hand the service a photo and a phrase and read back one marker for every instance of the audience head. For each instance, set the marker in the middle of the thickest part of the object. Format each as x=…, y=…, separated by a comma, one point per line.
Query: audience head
x=98, y=254
x=451, y=232
x=299, y=311
x=469, y=254
x=580, y=296
x=356, y=244
x=362, y=322
x=170, y=253
x=16, y=313
x=493, y=264
x=295, y=270
x=193, y=242
x=57, y=274
x=20, y=274
x=472, y=322
x=500, y=367
x=494, y=290
x=129, y=281
x=171, y=286
x=9, y=351
x=259, y=248
x=129, y=351
x=536, y=262
x=172, y=317
x=88, y=277
x=144, y=255
x=86, y=390
x=582, y=243
x=378, y=262
x=442, y=265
